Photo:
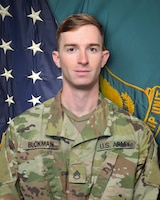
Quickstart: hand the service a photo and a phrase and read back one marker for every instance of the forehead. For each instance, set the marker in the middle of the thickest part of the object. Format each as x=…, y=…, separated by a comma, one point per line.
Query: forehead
x=86, y=33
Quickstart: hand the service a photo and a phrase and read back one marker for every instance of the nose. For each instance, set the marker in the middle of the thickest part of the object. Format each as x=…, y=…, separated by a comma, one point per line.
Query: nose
x=83, y=58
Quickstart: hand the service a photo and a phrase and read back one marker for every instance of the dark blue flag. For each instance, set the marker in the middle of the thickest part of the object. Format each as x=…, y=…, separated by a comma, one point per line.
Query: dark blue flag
x=28, y=75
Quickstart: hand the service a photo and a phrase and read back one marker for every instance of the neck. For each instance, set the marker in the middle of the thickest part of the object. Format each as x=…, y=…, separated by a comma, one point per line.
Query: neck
x=80, y=102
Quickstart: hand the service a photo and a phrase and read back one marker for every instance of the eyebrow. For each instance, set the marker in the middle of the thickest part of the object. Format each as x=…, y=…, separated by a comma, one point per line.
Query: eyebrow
x=90, y=44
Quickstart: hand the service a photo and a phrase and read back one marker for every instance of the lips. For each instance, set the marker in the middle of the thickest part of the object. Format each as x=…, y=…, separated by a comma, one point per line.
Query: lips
x=82, y=72
x=79, y=71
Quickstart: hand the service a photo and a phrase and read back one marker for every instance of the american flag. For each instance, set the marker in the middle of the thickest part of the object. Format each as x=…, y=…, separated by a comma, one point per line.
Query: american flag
x=28, y=75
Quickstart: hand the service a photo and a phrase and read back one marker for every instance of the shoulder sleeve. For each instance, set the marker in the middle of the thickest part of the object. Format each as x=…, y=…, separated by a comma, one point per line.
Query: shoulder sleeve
x=8, y=172
x=148, y=174
x=152, y=171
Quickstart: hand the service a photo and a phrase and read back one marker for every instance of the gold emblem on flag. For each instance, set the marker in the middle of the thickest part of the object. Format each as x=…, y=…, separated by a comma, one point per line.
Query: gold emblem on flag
x=123, y=100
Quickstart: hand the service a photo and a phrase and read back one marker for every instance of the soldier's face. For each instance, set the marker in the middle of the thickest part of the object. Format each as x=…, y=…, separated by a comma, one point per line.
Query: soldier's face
x=81, y=56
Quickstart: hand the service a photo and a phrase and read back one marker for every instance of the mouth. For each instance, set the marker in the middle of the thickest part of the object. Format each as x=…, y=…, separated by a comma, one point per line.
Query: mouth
x=82, y=72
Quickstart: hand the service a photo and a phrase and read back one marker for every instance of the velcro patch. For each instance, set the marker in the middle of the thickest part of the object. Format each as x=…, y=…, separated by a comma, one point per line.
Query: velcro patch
x=77, y=174
x=120, y=144
x=40, y=144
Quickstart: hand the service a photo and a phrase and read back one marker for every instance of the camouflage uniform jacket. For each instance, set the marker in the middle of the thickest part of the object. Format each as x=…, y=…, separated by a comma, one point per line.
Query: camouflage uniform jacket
x=43, y=156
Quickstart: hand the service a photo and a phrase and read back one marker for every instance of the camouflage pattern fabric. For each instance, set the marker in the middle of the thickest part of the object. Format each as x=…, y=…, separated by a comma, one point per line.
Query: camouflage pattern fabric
x=43, y=156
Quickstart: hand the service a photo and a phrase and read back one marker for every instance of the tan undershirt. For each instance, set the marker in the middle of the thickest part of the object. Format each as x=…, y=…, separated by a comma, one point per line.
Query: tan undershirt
x=78, y=122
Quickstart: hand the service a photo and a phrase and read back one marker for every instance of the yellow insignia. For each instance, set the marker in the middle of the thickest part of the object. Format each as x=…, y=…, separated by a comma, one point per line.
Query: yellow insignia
x=123, y=100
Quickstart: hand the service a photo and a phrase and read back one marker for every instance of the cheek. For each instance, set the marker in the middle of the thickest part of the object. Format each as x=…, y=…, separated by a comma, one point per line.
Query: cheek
x=67, y=60
x=97, y=62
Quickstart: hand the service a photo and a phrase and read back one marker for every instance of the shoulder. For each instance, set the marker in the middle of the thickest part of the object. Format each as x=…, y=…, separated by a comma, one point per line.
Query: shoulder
x=125, y=121
x=115, y=110
x=31, y=118
x=35, y=111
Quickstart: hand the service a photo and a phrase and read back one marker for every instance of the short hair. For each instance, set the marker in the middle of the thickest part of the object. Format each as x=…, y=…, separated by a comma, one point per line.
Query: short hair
x=75, y=21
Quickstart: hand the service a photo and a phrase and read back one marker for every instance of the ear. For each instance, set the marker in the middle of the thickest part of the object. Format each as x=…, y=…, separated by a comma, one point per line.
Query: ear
x=105, y=57
x=56, y=59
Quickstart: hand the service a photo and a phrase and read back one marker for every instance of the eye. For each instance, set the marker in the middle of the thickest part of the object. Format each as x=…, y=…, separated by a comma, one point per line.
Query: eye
x=71, y=49
x=93, y=49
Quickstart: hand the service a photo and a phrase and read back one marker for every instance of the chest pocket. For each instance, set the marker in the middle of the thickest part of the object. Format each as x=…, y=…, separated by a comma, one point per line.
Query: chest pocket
x=37, y=166
x=116, y=178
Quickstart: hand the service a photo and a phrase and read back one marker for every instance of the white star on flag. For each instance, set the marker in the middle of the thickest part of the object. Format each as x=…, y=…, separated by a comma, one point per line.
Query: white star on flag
x=35, y=15
x=9, y=100
x=35, y=47
x=34, y=100
x=60, y=77
x=35, y=76
x=9, y=121
x=6, y=46
x=4, y=12
x=7, y=74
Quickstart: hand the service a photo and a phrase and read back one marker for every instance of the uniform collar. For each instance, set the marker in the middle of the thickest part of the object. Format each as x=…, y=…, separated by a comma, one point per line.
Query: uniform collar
x=60, y=126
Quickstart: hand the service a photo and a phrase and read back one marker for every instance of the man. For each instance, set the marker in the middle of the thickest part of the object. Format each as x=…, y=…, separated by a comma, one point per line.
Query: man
x=79, y=145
